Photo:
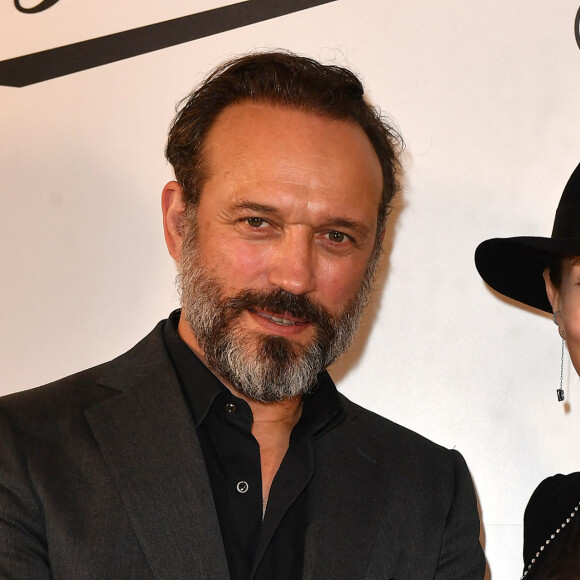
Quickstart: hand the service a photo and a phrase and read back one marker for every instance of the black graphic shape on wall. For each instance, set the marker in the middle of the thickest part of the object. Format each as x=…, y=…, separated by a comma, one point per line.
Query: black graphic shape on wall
x=56, y=62
x=45, y=5
x=577, y=28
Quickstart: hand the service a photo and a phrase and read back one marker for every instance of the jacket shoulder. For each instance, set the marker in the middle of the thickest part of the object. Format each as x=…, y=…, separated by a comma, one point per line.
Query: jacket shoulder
x=88, y=387
x=384, y=432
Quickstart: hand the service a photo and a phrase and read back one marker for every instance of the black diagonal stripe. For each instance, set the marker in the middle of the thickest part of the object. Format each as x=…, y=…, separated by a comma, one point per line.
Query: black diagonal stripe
x=64, y=60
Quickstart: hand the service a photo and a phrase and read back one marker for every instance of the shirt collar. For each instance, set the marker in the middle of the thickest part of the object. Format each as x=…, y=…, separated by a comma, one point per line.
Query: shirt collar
x=200, y=386
x=322, y=408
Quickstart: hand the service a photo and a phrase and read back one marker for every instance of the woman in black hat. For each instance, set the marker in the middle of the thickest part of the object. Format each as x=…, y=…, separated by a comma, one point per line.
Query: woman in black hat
x=545, y=273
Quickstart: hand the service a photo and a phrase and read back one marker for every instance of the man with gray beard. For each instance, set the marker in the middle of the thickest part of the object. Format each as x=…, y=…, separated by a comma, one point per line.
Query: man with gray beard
x=219, y=447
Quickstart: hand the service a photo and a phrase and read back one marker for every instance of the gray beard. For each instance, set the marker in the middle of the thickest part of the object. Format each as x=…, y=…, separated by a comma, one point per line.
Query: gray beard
x=263, y=367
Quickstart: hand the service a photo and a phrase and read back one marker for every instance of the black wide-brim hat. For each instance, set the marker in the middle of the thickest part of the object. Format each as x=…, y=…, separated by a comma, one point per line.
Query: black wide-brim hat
x=514, y=266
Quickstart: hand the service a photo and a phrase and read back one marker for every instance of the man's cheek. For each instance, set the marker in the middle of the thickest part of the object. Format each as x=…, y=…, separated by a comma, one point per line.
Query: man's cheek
x=245, y=264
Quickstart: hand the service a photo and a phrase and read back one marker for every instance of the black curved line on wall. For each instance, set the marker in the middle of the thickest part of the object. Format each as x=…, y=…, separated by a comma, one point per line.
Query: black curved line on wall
x=577, y=28
x=72, y=58
x=35, y=9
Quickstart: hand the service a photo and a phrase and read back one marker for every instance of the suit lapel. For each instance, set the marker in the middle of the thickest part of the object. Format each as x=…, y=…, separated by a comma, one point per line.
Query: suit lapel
x=343, y=509
x=148, y=440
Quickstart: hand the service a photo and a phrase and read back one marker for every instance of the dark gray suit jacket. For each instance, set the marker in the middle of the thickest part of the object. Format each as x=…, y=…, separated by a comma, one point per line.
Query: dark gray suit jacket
x=102, y=477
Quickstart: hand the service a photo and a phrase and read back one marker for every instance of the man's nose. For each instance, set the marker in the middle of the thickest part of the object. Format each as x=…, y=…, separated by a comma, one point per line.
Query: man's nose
x=292, y=267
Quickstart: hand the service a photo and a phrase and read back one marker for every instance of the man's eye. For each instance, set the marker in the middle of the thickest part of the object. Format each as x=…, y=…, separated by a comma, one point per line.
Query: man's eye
x=337, y=237
x=255, y=222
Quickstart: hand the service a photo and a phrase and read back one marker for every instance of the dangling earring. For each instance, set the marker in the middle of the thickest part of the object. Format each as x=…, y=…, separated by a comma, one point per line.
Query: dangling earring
x=560, y=391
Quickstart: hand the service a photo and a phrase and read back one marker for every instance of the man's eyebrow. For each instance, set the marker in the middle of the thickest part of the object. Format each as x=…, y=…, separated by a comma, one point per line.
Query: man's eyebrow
x=257, y=207
x=348, y=224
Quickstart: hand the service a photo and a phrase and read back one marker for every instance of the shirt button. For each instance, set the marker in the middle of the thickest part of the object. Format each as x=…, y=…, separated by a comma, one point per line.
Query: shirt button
x=230, y=408
x=242, y=486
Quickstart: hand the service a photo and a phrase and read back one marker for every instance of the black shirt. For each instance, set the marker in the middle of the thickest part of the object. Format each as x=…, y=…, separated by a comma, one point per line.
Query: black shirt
x=256, y=547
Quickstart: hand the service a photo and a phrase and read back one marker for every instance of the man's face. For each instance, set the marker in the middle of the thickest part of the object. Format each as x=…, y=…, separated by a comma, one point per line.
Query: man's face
x=274, y=258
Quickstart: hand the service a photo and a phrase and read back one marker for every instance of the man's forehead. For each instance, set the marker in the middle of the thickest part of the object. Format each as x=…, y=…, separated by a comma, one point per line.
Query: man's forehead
x=248, y=114
x=253, y=128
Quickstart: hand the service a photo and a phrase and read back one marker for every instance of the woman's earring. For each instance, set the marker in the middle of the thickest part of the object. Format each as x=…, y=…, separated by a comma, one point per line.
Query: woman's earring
x=560, y=391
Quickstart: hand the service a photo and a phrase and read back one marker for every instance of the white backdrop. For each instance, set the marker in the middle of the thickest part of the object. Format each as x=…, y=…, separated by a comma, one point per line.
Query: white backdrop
x=486, y=95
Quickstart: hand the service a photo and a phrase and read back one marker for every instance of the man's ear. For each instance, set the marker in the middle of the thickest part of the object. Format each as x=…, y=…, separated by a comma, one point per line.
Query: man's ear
x=173, y=207
x=551, y=291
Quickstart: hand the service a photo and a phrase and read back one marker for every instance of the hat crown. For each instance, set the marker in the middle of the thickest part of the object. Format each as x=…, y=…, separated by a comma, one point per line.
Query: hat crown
x=514, y=266
x=567, y=220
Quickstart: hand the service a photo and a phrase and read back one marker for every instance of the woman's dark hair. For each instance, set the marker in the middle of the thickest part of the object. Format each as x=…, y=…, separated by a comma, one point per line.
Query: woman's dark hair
x=555, y=267
x=280, y=79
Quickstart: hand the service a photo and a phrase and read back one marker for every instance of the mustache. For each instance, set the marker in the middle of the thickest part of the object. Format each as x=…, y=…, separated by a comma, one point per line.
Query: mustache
x=280, y=302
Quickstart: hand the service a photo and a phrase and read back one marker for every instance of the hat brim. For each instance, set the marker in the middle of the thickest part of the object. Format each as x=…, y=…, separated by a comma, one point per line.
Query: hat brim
x=514, y=266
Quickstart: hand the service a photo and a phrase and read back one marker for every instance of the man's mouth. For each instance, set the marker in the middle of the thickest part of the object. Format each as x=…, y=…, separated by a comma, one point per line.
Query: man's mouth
x=281, y=320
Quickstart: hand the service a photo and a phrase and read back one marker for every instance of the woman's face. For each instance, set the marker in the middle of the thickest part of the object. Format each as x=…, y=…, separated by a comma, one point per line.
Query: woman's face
x=565, y=302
